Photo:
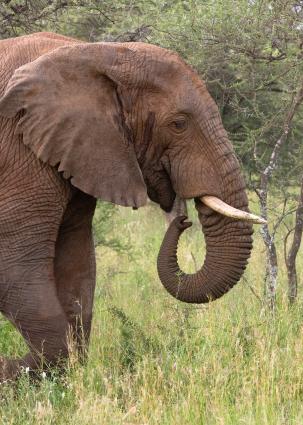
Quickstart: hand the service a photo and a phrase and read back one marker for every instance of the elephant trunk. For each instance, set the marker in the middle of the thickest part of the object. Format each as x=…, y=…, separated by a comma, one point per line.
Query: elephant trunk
x=228, y=246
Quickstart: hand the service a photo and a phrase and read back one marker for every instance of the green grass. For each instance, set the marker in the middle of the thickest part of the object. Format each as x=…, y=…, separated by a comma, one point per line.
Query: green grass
x=154, y=360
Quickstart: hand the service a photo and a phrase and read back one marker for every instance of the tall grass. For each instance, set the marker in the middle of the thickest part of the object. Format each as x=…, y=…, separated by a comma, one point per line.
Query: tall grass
x=154, y=360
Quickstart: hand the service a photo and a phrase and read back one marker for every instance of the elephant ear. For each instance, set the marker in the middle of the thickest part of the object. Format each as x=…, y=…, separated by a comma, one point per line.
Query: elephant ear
x=72, y=118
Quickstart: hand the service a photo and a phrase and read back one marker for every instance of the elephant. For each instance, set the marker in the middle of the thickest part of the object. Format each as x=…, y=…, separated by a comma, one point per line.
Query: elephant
x=119, y=122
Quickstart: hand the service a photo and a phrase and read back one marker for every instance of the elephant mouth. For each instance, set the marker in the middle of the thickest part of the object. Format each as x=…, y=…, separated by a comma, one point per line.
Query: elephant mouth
x=166, y=202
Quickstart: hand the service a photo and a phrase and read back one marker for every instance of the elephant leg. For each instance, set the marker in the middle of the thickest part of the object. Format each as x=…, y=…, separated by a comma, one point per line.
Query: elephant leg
x=32, y=204
x=32, y=305
x=75, y=268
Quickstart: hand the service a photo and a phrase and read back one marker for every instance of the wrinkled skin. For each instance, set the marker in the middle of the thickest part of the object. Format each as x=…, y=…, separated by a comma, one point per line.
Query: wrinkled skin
x=117, y=122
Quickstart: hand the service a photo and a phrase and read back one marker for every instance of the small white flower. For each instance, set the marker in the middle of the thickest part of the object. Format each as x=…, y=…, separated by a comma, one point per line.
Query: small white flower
x=43, y=374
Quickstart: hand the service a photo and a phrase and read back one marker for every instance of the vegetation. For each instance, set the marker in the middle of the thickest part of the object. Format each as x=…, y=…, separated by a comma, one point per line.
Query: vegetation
x=154, y=360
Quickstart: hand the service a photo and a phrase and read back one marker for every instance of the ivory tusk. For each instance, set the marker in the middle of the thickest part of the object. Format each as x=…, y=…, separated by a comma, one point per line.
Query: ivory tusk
x=221, y=207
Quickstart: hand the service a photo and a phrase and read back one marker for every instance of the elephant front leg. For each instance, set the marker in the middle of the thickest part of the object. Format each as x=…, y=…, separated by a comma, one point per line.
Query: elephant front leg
x=29, y=224
x=33, y=307
x=75, y=270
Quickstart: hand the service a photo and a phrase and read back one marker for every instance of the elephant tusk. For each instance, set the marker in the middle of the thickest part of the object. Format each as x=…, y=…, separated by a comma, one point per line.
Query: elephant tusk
x=221, y=207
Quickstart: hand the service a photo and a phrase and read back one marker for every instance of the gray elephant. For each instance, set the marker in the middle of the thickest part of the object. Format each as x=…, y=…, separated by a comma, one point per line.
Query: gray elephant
x=118, y=122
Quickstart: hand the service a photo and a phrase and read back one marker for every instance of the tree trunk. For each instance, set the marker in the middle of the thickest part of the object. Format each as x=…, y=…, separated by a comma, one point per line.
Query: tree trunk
x=271, y=276
x=293, y=251
x=268, y=238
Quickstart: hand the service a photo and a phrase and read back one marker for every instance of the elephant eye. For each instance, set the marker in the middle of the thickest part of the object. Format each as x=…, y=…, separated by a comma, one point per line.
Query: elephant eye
x=179, y=124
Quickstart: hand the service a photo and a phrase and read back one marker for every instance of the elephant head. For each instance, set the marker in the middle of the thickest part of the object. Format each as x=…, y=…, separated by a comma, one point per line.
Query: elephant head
x=125, y=120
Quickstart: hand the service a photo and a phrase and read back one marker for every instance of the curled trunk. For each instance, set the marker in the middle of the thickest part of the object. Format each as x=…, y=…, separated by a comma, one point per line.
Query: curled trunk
x=228, y=246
